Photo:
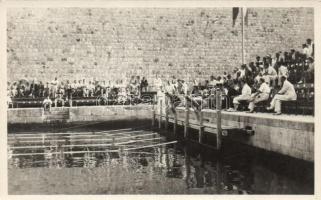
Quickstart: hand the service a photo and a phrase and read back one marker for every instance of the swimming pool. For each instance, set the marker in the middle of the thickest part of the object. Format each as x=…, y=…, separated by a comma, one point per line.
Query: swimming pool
x=94, y=159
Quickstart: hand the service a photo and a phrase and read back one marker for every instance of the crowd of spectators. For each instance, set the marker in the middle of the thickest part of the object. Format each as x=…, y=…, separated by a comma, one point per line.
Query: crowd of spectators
x=67, y=90
x=80, y=88
x=268, y=79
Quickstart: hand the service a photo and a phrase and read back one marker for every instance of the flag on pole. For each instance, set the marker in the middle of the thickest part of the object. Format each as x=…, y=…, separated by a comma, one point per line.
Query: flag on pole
x=244, y=13
x=235, y=13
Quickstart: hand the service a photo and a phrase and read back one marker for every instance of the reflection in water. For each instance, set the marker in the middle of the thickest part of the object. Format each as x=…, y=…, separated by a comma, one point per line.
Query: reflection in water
x=106, y=167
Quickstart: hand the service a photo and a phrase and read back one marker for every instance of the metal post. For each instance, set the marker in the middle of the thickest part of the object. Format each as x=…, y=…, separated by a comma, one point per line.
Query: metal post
x=186, y=120
x=218, y=120
x=70, y=100
x=166, y=113
x=218, y=175
x=201, y=129
x=160, y=113
x=243, y=50
x=175, y=123
x=154, y=116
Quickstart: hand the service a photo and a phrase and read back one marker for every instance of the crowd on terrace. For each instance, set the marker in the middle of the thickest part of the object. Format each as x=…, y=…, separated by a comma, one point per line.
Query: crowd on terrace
x=270, y=78
x=66, y=90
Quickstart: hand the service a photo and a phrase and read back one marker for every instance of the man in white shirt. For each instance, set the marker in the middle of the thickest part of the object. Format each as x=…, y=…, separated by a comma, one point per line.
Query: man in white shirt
x=270, y=72
x=170, y=88
x=262, y=95
x=287, y=93
x=47, y=104
x=54, y=87
x=310, y=47
x=283, y=71
x=305, y=50
x=245, y=95
x=158, y=82
x=243, y=71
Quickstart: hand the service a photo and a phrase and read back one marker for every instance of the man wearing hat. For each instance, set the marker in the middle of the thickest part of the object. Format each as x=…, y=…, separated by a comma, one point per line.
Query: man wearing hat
x=287, y=93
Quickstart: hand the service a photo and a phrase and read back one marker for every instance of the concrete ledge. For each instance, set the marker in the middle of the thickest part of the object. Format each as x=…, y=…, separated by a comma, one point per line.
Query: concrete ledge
x=284, y=134
x=78, y=114
x=291, y=135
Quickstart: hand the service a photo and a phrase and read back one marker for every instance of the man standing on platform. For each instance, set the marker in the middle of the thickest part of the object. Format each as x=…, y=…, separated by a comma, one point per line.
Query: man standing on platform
x=287, y=93
x=54, y=87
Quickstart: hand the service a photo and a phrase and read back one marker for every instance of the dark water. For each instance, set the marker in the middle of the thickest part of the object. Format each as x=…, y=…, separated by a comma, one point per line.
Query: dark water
x=94, y=160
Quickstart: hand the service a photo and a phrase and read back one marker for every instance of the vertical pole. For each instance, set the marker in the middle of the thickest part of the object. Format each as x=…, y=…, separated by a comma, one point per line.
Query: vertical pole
x=201, y=129
x=187, y=163
x=175, y=123
x=160, y=113
x=166, y=112
x=243, y=51
x=70, y=100
x=218, y=120
x=218, y=175
x=186, y=120
x=154, y=116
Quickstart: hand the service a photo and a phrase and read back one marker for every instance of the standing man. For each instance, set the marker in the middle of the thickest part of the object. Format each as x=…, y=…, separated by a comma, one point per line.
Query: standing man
x=54, y=87
x=287, y=93
x=41, y=89
x=68, y=90
x=310, y=46
x=144, y=85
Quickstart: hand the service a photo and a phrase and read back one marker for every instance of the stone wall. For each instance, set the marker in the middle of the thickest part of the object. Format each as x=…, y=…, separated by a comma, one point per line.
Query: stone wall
x=116, y=43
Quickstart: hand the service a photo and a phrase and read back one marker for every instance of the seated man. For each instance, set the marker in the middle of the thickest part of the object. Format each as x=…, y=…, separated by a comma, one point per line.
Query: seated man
x=245, y=94
x=287, y=93
x=91, y=89
x=85, y=89
x=271, y=73
x=47, y=104
x=123, y=96
x=283, y=71
x=261, y=95
x=59, y=99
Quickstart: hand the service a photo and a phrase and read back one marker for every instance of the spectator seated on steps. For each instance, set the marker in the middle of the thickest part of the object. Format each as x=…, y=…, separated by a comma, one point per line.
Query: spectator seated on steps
x=59, y=99
x=287, y=93
x=47, y=103
x=244, y=96
x=262, y=94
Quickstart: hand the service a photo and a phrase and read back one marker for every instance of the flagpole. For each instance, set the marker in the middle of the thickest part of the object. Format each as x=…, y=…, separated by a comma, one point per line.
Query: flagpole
x=243, y=50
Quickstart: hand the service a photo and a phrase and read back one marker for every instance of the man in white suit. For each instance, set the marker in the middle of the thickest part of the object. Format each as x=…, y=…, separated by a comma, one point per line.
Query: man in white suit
x=287, y=93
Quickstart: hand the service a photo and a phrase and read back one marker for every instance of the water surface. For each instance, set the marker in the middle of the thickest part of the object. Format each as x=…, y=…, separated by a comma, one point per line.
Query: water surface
x=92, y=159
